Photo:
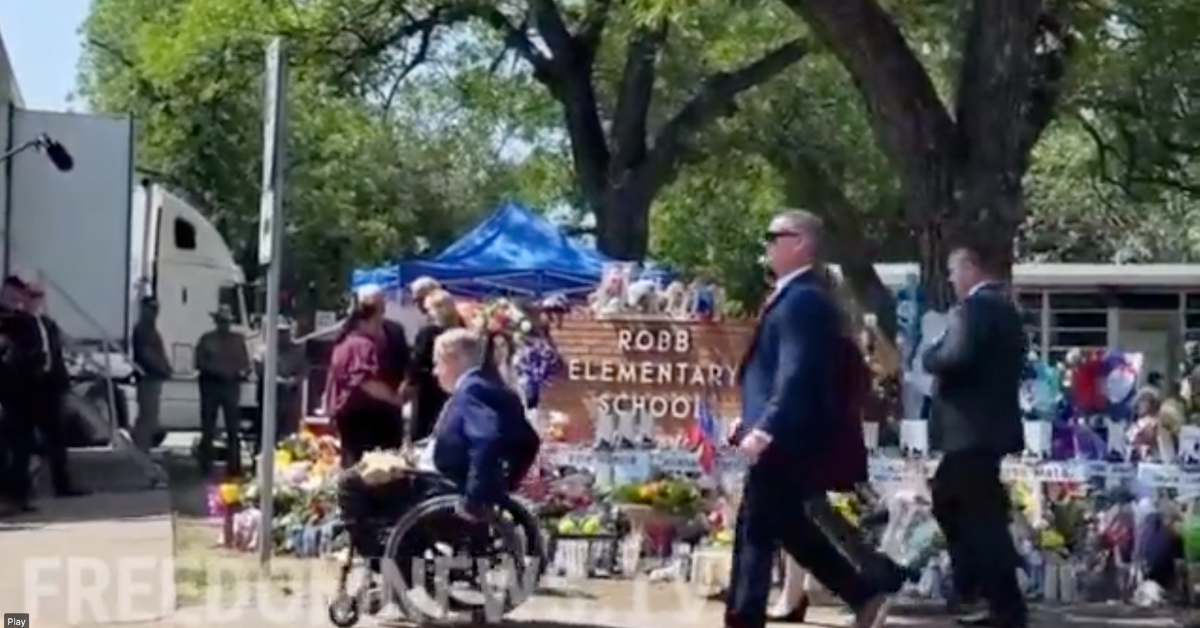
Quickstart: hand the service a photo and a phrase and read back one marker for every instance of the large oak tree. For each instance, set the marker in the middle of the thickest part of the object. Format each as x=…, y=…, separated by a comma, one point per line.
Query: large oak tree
x=626, y=143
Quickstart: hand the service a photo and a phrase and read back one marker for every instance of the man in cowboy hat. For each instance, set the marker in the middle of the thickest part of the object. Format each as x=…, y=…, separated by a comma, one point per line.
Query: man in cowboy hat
x=222, y=362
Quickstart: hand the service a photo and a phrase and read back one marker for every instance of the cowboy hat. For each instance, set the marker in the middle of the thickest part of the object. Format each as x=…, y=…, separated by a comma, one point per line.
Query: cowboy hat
x=224, y=314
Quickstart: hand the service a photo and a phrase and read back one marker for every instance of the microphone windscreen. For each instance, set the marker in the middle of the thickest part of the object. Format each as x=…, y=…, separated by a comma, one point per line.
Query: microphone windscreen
x=59, y=156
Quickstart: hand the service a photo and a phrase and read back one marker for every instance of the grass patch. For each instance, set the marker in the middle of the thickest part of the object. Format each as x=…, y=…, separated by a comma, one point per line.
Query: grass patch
x=206, y=573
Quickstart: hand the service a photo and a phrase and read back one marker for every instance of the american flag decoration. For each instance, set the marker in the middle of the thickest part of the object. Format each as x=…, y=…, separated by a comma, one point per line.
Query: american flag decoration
x=702, y=436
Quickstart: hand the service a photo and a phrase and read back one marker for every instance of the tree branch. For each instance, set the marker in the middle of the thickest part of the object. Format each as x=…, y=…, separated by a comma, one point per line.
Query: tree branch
x=905, y=111
x=150, y=89
x=517, y=39
x=628, y=134
x=1056, y=45
x=552, y=28
x=591, y=28
x=715, y=99
x=994, y=87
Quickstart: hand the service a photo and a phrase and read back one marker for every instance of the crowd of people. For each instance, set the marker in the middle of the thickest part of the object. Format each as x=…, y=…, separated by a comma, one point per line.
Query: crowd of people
x=801, y=426
x=457, y=389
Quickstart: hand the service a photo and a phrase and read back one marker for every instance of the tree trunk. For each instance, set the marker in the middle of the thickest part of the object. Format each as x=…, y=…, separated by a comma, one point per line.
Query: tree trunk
x=960, y=174
x=623, y=222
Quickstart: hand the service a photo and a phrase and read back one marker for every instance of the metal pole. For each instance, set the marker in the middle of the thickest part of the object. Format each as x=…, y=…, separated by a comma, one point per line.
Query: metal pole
x=270, y=241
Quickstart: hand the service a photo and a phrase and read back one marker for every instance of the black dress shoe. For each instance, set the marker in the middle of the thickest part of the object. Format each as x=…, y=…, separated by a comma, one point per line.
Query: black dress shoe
x=70, y=491
x=795, y=616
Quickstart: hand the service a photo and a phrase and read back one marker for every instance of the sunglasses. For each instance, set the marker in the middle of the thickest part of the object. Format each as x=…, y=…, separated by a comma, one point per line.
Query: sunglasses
x=773, y=236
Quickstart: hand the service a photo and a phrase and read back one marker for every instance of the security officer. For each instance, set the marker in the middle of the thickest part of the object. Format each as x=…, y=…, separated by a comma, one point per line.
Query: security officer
x=154, y=368
x=223, y=363
x=292, y=370
x=17, y=360
x=29, y=377
x=52, y=384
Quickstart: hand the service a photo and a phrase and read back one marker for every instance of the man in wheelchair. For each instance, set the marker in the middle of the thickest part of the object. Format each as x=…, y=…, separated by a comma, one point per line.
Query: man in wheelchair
x=482, y=441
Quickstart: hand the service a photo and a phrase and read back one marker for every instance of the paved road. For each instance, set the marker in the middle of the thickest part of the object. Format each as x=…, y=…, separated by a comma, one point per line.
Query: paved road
x=107, y=559
x=97, y=559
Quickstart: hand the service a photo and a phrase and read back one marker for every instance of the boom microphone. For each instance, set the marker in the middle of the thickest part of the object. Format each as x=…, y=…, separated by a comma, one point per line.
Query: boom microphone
x=56, y=153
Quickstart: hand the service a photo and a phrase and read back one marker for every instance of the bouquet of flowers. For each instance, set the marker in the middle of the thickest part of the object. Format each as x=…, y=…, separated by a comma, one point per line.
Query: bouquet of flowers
x=504, y=316
x=223, y=498
x=669, y=496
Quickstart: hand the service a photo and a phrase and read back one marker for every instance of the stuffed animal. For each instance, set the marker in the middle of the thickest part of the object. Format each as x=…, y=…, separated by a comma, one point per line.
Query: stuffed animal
x=674, y=300
x=704, y=299
x=609, y=297
x=642, y=296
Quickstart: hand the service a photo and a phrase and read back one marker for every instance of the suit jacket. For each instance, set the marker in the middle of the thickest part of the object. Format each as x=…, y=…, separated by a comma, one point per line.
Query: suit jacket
x=787, y=381
x=482, y=440
x=394, y=366
x=56, y=378
x=978, y=365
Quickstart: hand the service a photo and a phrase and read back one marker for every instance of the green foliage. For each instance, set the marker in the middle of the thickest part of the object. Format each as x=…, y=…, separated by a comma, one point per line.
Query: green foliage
x=396, y=145
x=363, y=184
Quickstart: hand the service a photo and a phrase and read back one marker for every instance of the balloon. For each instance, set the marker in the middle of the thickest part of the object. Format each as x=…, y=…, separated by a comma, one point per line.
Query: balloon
x=1120, y=379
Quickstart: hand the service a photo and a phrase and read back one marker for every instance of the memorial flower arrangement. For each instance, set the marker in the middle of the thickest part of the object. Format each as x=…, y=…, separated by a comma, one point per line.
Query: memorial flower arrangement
x=536, y=359
x=666, y=495
x=223, y=498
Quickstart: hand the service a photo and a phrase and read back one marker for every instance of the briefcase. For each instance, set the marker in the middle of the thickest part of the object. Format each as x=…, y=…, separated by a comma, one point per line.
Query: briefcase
x=849, y=540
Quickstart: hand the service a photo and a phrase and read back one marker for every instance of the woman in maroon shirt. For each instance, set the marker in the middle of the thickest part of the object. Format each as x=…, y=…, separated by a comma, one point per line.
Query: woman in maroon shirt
x=361, y=404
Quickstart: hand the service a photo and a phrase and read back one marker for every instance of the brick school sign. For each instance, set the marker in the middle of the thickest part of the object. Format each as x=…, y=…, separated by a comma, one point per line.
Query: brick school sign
x=656, y=367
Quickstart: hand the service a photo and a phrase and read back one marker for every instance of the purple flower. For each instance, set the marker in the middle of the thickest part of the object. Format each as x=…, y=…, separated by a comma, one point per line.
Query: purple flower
x=214, y=505
x=538, y=361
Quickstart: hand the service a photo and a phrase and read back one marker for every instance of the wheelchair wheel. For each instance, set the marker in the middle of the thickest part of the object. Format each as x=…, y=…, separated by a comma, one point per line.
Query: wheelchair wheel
x=520, y=510
x=437, y=565
x=343, y=610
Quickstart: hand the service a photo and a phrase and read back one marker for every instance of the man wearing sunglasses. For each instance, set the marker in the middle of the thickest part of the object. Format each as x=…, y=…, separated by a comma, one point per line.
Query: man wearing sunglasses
x=789, y=416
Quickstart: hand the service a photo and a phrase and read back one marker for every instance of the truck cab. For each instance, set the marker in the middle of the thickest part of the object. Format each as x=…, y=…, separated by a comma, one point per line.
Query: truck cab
x=181, y=259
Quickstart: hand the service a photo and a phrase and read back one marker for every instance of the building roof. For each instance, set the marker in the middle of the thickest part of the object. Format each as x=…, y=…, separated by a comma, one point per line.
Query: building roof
x=1049, y=275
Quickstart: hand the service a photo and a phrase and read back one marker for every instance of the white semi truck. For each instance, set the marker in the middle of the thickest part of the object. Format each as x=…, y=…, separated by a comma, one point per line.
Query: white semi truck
x=100, y=237
x=179, y=257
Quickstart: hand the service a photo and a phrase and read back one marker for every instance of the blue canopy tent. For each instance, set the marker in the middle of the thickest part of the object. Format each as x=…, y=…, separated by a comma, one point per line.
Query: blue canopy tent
x=514, y=251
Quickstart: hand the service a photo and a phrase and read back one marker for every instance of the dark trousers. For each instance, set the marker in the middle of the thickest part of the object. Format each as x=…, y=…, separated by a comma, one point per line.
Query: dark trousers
x=287, y=413
x=368, y=426
x=772, y=514
x=972, y=508
x=224, y=397
x=22, y=424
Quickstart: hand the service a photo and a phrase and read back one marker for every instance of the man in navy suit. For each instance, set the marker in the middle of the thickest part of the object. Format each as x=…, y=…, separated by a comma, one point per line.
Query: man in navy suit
x=482, y=441
x=789, y=416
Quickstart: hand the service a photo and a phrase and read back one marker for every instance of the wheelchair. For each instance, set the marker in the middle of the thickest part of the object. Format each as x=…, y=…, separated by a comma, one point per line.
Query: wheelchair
x=435, y=566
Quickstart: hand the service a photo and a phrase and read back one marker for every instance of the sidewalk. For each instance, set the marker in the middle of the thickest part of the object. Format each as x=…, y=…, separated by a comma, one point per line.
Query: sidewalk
x=72, y=558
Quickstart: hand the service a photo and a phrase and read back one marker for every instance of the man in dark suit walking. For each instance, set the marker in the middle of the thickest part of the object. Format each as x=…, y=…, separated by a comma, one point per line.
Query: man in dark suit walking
x=482, y=440
x=977, y=365
x=789, y=415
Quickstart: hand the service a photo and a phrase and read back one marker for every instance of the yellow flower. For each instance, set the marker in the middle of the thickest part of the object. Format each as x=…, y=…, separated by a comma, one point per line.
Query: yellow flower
x=230, y=493
x=283, y=458
x=1051, y=539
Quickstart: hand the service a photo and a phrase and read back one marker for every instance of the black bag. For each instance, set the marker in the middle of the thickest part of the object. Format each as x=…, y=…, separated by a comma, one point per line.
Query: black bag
x=853, y=544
